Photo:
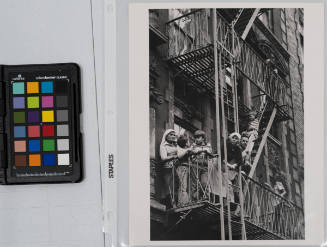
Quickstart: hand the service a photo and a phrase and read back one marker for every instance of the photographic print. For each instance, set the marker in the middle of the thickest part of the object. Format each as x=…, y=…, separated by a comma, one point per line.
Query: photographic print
x=226, y=124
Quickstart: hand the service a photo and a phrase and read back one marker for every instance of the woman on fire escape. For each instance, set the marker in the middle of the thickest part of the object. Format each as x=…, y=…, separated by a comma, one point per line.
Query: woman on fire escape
x=168, y=155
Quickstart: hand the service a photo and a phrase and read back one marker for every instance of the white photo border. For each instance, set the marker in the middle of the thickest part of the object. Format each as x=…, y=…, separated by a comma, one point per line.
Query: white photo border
x=139, y=179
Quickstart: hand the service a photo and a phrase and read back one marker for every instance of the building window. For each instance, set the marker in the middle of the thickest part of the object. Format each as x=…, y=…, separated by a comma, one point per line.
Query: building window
x=283, y=27
x=275, y=155
x=275, y=131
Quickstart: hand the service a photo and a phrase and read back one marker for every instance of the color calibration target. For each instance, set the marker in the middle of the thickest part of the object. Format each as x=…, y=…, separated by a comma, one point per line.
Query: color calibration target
x=41, y=123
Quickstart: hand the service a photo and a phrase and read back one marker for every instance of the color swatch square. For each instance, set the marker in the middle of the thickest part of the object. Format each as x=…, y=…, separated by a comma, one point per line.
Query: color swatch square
x=63, y=144
x=32, y=87
x=61, y=101
x=20, y=160
x=61, y=87
x=47, y=101
x=62, y=115
x=46, y=87
x=63, y=159
x=19, y=102
x=19, y=132
x=48, y=145
x=34, y=145
x=33, y=131
x=33, y=117
x=47, y=116
x=19, y=117
x=49, y=160
x=34, y=160
x=48, y=130
x=62, y=130
x=33, y=102
x=18, y=88
x=20, y=146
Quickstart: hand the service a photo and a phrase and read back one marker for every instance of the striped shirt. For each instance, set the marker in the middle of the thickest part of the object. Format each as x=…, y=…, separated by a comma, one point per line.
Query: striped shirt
x=253, y=125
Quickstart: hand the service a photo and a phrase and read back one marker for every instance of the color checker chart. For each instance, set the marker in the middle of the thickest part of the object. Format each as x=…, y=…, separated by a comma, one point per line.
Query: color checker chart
x=43, y=107
x=40, y=120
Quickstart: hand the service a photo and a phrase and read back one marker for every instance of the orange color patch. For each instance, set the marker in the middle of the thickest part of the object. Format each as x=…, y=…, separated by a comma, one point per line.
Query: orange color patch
x=32, y=87
x=34, y=160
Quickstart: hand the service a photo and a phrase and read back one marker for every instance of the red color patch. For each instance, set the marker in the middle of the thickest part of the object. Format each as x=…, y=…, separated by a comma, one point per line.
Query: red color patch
x=48, y=130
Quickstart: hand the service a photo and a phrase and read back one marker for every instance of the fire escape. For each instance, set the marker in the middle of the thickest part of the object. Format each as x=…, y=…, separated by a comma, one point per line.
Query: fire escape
x=204, y=47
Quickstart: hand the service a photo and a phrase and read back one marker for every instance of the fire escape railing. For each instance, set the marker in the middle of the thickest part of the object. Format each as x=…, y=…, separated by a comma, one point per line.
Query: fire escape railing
x=268, y=210
x=261, y=205
x=190, y=32
x=262, y=74
x=197, y=180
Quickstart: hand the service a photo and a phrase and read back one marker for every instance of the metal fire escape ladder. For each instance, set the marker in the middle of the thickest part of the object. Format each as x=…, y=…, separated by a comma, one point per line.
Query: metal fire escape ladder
x=236, y=118
x=249, y=25
x=221, y=67
x=244, y=20
x=215, y=51
x=263, y=141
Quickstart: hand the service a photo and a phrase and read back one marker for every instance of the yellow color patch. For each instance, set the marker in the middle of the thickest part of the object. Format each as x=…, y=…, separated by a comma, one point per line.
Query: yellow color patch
x=47, y=116
x=32, y=87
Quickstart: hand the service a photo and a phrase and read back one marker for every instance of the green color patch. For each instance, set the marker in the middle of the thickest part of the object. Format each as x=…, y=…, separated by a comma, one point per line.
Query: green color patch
x=19, y=117
x=48, y=145
x=33, y=102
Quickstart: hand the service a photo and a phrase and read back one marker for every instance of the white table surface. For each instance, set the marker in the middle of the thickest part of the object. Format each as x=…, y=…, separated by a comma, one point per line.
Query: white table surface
x=52, y=31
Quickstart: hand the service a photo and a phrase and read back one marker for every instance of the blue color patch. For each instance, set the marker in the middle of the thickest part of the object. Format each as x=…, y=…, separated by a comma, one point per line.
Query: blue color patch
x=49, y=160
x=34, y=145
x=18, y=88
x=19, y=132
x=46, y=87
x=19, y=102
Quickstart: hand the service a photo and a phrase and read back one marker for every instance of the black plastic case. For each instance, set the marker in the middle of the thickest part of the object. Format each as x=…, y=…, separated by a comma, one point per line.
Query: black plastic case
x=9, y=173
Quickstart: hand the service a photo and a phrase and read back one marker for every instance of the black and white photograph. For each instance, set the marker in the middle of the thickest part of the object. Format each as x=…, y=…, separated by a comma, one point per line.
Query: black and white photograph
x=226, y=124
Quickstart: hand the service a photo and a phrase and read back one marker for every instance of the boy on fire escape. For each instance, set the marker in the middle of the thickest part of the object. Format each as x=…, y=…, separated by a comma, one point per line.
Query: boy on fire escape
x=252, y=131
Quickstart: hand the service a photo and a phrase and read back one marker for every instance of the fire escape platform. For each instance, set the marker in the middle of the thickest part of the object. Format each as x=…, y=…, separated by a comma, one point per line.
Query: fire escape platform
x=281, y=114
x=198, y=67
x=209, y=213
x=187, y=207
